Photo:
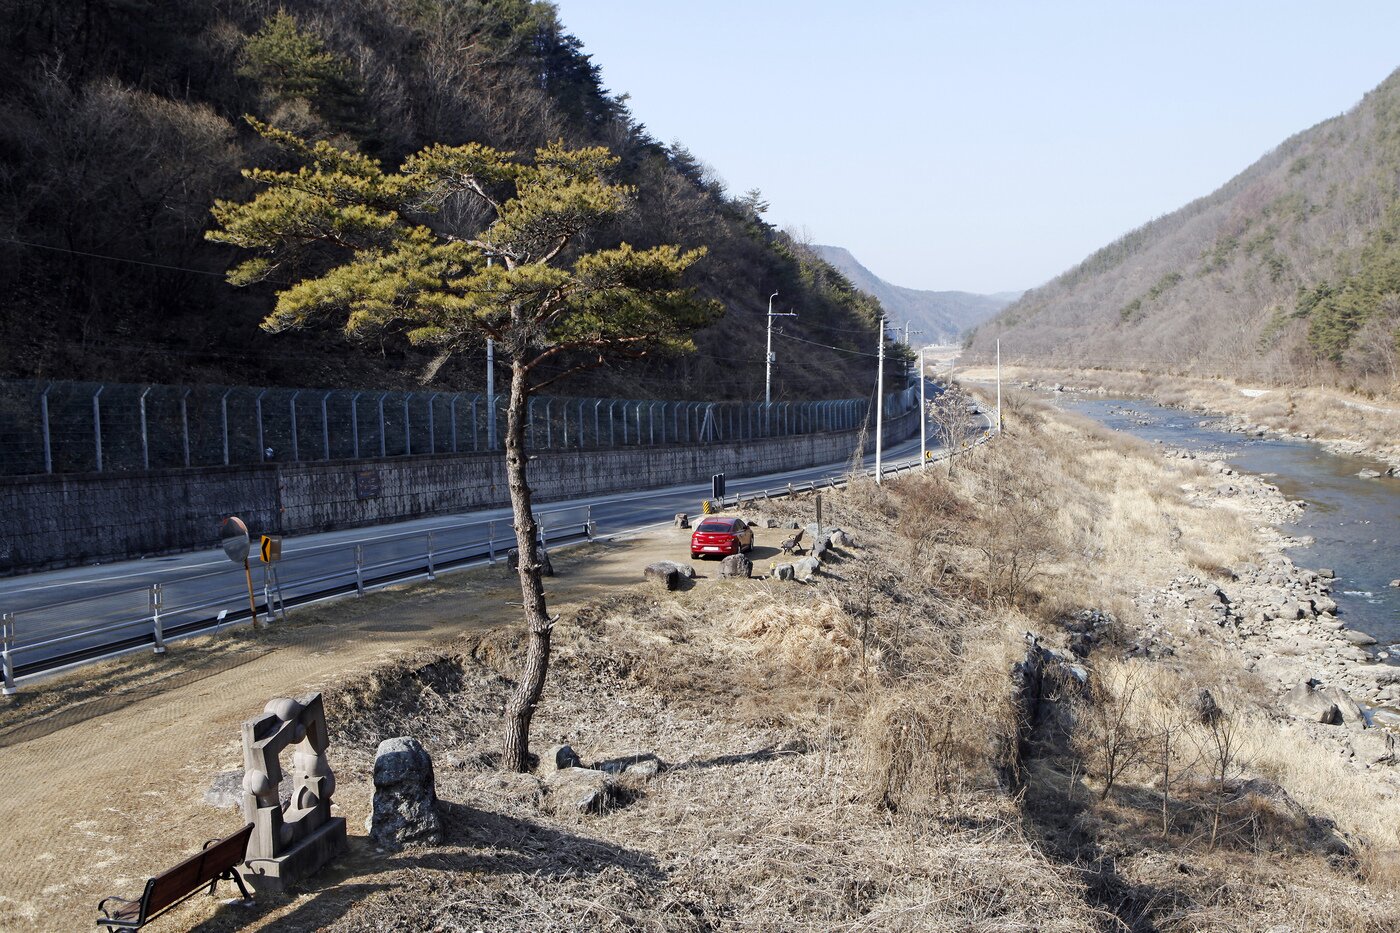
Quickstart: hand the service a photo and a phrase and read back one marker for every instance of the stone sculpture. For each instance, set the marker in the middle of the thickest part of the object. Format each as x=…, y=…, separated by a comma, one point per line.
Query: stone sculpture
x=292, y=842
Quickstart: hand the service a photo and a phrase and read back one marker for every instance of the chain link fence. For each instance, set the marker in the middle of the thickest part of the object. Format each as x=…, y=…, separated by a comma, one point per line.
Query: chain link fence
x=84, y=427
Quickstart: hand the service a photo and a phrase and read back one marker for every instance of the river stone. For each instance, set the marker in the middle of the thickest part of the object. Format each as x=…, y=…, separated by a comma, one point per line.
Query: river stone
x=405, y=796
x=1369, y=473
x=1304, y=702
x=1360, y=639
x=1324, y=604
x=1351, y=711
x=807, y=568
x=1327, y=573
x=735, y=566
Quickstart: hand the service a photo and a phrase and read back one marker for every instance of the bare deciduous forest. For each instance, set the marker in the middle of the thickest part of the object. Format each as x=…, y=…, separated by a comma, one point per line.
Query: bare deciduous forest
x=123, y=122
x=1289, y=273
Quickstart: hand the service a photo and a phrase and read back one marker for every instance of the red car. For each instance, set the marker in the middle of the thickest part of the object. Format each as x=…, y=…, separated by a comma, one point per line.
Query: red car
x=720, y=536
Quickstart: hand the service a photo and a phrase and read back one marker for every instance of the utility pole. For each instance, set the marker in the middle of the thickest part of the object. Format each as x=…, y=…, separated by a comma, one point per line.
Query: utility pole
x=998, y=385
x=880, y=403
x=923, y=417
x=768, y=365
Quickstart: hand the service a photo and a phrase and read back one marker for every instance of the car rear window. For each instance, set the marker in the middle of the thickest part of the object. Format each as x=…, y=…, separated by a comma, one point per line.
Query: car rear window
x=716, y=526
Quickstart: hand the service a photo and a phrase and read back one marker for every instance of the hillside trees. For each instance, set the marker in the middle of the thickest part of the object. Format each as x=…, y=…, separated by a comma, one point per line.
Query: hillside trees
x=461, y=244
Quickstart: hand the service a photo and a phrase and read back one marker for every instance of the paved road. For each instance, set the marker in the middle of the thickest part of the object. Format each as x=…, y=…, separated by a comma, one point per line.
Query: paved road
x=115, y=598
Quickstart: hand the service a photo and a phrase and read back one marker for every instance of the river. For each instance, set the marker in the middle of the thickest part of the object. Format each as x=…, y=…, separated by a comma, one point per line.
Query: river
x=1354, y=522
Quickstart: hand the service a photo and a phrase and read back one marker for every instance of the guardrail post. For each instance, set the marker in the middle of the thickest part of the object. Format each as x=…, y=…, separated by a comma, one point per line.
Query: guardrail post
x=7, y=645
x=157, y=627
x=432, y=572
x=491, y=542
x=589, y=528
x=360, y=569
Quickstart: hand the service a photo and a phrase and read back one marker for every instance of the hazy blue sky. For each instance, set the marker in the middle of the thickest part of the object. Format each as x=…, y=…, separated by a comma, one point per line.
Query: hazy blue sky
x=980, y=145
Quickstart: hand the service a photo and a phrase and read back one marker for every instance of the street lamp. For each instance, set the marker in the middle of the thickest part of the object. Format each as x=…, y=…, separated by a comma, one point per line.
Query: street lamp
x=768, y=367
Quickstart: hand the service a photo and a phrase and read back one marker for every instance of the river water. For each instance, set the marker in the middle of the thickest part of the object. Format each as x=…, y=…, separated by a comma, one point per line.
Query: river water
x=1354, y=522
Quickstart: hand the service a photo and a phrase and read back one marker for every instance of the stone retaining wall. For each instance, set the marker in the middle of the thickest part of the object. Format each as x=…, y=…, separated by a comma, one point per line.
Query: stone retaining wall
x=64, y=520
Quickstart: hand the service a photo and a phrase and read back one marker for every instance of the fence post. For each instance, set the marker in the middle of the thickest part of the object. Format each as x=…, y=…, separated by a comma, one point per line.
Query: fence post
x=452, y=415
x=44, y=421
x=597, y=432
x=432, y=572
x=382, y=448
x=491, y=542
x=145, y=444
x=407, y=428
x=7, y=645
x=589, y=528
x=223, y=410
x=97, y=425
x=548, y=424
x=325, y=428
x=262, y=441
x=359, y=570
x=157, y=627
x=292, y=410
x=432, y=433
x=185, y=424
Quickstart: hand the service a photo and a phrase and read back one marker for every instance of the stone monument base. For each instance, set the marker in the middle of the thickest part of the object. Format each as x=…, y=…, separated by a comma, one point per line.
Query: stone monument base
x=300, y=861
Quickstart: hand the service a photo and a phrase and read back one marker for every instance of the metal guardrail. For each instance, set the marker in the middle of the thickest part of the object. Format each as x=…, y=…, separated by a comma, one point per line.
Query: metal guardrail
x=154, y=614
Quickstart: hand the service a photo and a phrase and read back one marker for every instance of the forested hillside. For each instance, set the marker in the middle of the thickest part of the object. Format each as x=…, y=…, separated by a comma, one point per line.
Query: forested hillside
x=121, y=121
x=941, y=317
x=1290, y=272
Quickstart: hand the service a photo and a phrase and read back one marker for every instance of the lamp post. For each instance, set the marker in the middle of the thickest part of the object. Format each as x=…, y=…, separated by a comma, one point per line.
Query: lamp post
x=768, y=364
x=880, y=404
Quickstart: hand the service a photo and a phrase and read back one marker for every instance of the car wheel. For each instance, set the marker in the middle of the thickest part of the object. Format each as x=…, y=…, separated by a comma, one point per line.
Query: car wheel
x=694, y=556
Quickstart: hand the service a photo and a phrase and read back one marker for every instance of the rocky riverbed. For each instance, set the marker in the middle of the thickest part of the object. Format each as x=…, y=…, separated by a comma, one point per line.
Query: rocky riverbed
x=1278, y=622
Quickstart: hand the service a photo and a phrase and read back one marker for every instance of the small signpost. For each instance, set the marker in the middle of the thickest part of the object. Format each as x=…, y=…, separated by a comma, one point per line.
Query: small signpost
x=270, y=551
x=717, y=486
x=233, y=538
x=819, y=516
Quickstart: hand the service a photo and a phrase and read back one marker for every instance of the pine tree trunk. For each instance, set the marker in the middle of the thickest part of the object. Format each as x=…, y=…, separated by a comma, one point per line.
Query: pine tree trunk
x=521, y=708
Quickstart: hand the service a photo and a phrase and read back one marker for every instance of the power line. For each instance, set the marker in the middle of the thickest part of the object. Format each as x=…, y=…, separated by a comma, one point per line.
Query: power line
x=134, y=262
x=827, y=346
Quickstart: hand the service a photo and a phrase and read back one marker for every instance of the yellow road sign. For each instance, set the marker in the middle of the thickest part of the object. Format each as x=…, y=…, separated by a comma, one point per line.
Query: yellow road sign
x=270, y=549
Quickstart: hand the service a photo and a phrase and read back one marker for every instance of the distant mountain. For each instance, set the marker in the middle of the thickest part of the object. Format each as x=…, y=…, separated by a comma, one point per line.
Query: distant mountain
x=1289, y=272
x=942, y=316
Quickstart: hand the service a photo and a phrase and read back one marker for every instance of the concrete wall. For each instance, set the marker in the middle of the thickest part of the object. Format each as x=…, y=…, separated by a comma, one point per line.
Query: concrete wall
x=52, y=521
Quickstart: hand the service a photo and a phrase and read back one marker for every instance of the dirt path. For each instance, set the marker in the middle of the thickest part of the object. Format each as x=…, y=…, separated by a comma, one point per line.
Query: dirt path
x=104, y=770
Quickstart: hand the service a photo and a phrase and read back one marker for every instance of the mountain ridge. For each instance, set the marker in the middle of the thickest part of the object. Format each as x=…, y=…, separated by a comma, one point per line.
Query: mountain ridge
x=942, y=316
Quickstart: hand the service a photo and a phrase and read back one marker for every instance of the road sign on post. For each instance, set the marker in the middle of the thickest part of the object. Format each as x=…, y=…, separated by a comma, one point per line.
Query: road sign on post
x=270, y=548
x=717, y=486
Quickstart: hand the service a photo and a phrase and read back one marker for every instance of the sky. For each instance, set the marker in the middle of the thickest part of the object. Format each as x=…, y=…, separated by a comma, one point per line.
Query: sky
x=982, y=145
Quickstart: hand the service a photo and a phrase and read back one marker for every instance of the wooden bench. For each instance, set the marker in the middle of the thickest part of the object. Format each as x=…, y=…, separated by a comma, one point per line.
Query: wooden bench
x=213, y=864
x=793, y=543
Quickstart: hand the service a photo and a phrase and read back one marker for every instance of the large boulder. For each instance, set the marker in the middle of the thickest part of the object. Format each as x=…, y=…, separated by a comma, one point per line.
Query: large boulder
x=663, y=575
x=1304, y=702
x=806, y=568
x=405, y=796
x=686, y=571
x=735, y=566
x=1351, y=711
x=580, y=790
x=783, y=571
x=682, y=520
